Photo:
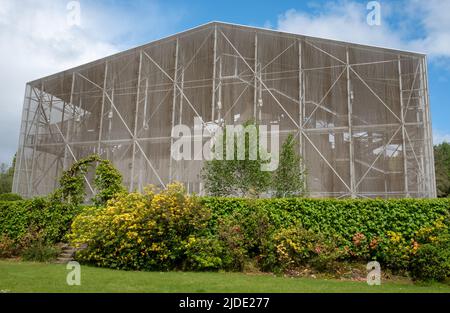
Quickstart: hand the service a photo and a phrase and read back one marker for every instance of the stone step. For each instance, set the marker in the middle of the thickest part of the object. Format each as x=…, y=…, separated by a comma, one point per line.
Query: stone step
x=66, y=255
x=63, y=260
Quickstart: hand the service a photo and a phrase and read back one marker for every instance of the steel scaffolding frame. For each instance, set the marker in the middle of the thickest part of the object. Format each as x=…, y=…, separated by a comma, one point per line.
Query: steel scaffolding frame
x=360, y=114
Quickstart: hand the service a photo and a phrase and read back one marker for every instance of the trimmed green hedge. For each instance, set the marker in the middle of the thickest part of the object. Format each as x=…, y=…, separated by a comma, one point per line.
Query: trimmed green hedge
x=172, y=230
x=17, y=217
x=10, y=197
x=373, y=218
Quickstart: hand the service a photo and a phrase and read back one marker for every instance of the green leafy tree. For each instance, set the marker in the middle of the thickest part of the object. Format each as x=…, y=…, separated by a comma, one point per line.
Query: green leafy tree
x=289, y=179
x=442, y=167
x=6, y=176
x=238, y=176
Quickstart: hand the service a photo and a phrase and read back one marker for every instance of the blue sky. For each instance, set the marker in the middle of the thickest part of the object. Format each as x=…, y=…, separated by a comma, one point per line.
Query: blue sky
x=40, y=41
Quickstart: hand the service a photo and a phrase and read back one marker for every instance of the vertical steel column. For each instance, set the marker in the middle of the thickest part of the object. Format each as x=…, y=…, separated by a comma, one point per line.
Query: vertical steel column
x=425, y=189
x=48, y=122
x=303, y=106
x=33, y=158
x=66, y=150
x=23, y=137
x=174, y=101
x=428, y=129
x=76, y=116
x=260, y=103
x=426, y=135
x=350, y=128
x=219, y=96
x=213, y=93
x=182, y=96
x=255, y=86
x=136, y=112
x=110, y=117
x=63, y=113
x=145, y=127
x=300, y=97
x=405, y=164
x=102, y=112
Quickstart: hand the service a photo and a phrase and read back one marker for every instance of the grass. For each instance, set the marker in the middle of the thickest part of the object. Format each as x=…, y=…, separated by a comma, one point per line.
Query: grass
x=18, y=276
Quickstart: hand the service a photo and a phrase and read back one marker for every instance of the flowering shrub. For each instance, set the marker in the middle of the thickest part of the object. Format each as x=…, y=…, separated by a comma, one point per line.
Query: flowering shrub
x=360, y=246
x=296, y=246
x=430, y=259
x=204, y=253
x=151, y=231
x=246, y=237
x=394, y=251
x=8, y=247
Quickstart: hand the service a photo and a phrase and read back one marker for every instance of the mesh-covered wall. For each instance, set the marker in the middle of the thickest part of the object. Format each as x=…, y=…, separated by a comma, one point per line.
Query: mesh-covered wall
x=360, y=114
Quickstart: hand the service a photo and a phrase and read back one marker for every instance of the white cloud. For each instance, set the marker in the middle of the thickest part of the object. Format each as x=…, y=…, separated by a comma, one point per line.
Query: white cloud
x=434, y=20
x=36, y=41
x=401, y=21
x=343, y=20
x=440, y=137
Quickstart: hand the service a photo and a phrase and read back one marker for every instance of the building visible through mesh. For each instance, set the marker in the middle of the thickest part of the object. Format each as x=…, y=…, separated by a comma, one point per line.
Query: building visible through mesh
x=360, y=114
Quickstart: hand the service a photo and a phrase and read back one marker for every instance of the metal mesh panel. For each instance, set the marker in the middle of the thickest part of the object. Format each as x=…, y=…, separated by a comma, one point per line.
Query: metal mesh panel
x=360, y=114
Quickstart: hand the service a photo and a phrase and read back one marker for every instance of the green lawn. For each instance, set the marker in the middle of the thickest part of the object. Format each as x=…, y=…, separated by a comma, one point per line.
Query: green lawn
x=40, y=277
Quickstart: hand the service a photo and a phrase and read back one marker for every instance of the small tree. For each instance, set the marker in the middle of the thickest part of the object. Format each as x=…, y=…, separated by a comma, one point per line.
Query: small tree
x=289, y=179
x=218, y=176
x=242, y=177
x=7, y=176
x=442, y=168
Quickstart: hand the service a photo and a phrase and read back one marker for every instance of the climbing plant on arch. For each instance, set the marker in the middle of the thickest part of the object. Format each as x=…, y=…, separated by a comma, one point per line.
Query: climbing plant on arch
x=107, y=181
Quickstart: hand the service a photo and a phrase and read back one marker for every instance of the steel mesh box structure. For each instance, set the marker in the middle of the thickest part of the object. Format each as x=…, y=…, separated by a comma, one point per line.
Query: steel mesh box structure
x=360, y=114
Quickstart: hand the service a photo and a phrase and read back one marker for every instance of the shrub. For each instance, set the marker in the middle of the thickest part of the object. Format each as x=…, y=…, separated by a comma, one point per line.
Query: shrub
x=204, y=253
x=32, y=246
x=246, y=236
x=10, y=197
x=8, y=247
x=394, y=251
x=35, y=248
x=232, y=236
x=296, y=246
x=148, y=231
x=432, y=260
x=40, y=251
